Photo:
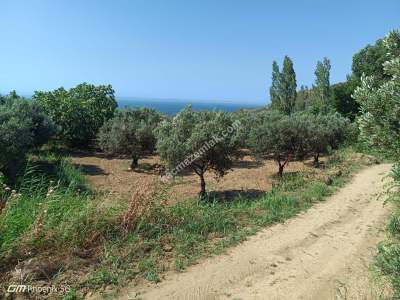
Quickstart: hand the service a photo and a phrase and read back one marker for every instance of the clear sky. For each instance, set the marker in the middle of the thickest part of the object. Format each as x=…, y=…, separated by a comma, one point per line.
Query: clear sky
x=204, y=49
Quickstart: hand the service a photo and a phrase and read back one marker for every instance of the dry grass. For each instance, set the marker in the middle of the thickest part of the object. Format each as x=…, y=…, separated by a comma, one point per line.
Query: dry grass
x=141, y=203
x=247, y=175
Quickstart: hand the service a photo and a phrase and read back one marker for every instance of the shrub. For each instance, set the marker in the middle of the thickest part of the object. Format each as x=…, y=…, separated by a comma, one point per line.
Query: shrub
x=23, y=126
x=200, y=141
x=130, y=132
x=79, y=112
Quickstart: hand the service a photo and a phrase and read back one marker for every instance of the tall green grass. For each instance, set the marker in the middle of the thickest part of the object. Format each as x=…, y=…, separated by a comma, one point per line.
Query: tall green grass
x=387, y=260
x=58, y=197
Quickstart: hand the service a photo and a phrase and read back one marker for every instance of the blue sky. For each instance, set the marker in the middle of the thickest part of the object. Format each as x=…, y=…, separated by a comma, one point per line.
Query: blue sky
x=204, y=49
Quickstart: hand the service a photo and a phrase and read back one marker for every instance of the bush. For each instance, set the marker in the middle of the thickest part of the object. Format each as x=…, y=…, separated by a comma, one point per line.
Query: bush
x=200, y=141
x=23, y=127
x=79, y=112
x=130, y=132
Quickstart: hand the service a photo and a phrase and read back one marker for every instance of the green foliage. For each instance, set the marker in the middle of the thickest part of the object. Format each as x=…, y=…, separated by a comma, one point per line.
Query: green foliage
x=23, y=127
x=130, y=132
x=59, y=197
x=380, y=102
x=285, y=138
x=387, y=260
x=79, y=112
x=247, y=120
x=288, y=86
x=327, y=132
x=305, y=98
x=280, y=137
x=274, y=90
x=283, y=89
x=369, y=62
x=200, y=141
x=342, y=99
x=322, y=85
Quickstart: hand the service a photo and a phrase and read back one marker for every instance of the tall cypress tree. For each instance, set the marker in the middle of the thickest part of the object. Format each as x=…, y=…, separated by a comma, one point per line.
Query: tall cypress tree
x=288, y=87
x=322, y=84
x=274, y=90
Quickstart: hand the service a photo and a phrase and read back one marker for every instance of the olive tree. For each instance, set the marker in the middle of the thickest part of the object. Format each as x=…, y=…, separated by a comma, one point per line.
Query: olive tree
x=326, y=132
x=130, y=132
x=23, y=127
x=79, y=112
x=280, y=137
x=200, y=141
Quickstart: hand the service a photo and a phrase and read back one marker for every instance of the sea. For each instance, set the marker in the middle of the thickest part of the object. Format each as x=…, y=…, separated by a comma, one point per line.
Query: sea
x=173, y=106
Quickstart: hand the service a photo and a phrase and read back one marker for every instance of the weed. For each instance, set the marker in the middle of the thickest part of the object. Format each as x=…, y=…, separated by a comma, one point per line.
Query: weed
x=387, y=261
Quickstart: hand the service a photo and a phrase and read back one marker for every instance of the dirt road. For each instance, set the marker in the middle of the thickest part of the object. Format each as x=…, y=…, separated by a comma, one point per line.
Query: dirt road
x=323, y=253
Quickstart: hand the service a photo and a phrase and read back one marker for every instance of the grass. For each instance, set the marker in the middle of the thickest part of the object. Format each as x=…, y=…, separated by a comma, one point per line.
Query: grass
x=56, y=215
x=387, y=261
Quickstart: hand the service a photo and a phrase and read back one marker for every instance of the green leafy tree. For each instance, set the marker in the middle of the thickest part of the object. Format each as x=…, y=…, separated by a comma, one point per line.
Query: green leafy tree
x=303, y=98
x=274, y=90
x=280, y=137
x=380, y=101
x=283, y=89
x=78, y=112
x=322, y=83
x=369, y=62
x=288, y=87
x=130, y=132
x=23, y=127
x=342, y=99
x=326, y=132
x=200, y=141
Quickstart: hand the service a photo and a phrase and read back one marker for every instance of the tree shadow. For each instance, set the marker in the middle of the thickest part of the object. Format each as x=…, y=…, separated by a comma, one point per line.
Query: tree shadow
x=83, y=154
x=231, y=195
x=45, y=167
x=311, y=164
x=92, y=170
x=154, y=168
x=286, y=176
x=247, y=164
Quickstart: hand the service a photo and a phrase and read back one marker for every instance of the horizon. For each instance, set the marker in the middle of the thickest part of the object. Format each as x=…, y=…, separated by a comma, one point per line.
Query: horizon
x=208, y=52
x=168, y=100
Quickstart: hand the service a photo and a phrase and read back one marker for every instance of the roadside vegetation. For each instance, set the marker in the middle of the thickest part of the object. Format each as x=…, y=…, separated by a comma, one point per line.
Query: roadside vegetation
x=379, y=100
x=56, y=229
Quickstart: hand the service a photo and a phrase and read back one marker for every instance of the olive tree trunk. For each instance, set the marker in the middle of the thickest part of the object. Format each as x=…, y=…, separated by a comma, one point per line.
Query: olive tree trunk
x=135, y=162
x=202, y=193
x=316, y=160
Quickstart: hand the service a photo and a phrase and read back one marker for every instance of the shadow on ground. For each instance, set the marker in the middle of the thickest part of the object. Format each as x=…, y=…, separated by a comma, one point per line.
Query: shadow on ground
x=247, y=164
x=230, y=195
x=92, y=170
